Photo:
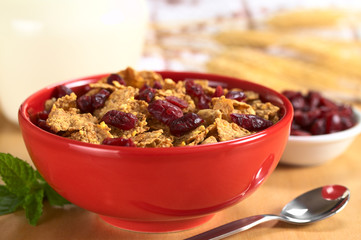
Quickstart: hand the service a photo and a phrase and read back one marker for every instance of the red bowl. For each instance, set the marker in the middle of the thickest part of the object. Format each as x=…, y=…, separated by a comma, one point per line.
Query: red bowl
x=156, y=189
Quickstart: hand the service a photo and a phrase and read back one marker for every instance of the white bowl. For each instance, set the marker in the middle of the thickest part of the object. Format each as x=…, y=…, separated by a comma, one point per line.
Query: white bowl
x=315, y=150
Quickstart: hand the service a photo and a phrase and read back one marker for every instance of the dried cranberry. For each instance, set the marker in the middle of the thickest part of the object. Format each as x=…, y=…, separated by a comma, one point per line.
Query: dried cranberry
x=203, y=101
x=121, y=120
x=318, y=127
x=347, y=122
x=193, y=89
x=318, y=114
x=291, y=94
x=296, y=98
x=145, y=86
x=295, y=126
x=164, y=111
x=146, y=93
x=298, y=102
x=328, y=103
x=250, y=122
x=306, y=118
x=62, y=90
x=313, y=114
x=185, y=124
x=324, y=111
x=119, y=142
x=218, y=92
x=43, y=125
x=236, y=95
x=98, y=99
x=196, y=91
x=301, y=118
x=333, y=123
x=43, y=115
x=177, y=101
x=86, y=88
x=345, y=111
x=314, y=99
x=157, y=85
x=115, y=77
x=84, y=103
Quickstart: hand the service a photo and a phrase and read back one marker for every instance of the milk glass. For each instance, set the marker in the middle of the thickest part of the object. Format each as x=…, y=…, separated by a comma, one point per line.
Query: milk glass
x=47, y=41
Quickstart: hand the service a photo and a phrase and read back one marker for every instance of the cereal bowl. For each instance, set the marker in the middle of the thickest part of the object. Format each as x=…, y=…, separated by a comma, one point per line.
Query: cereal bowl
x=156, y=189
x=318, y=149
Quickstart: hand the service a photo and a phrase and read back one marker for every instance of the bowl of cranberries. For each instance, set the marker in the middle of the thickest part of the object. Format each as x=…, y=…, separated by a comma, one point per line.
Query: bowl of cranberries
x=321, y=130
x=183, y=156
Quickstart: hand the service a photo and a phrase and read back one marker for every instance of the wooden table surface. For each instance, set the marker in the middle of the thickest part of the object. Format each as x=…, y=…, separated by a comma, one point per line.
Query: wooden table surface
x=282, y=186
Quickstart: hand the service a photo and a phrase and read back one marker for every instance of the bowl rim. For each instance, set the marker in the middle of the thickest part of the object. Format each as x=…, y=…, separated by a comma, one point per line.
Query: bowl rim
x=330, y=137
x=287, y=117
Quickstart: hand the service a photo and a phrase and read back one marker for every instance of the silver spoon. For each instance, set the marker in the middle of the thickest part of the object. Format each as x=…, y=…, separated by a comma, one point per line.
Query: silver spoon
x=309, y=207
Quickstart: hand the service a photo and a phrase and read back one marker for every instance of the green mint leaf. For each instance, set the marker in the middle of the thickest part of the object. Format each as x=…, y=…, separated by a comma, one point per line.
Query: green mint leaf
x=9, y=202
x=17, y=174
x=40, y=178
x=54, y=198
x=33, y=206
x=24, y=188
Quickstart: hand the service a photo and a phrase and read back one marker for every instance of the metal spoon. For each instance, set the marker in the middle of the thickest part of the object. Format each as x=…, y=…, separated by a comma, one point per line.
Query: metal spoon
x=309, y=207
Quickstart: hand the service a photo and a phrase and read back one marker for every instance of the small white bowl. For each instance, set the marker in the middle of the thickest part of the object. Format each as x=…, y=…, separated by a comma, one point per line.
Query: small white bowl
x=315, y=150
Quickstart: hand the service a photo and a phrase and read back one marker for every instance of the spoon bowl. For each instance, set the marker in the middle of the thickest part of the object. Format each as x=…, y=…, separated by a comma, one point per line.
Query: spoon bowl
x=316, y=204
x=312, y=206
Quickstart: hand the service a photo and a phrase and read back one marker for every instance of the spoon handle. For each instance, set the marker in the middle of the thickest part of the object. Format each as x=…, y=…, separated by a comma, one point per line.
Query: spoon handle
x=234, y=227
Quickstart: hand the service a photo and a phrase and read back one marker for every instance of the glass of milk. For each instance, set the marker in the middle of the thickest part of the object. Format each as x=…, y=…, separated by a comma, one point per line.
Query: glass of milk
x=47, y=41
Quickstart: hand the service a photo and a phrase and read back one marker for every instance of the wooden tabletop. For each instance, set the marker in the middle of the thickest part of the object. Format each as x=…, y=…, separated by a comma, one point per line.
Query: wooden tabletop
x=282, y=186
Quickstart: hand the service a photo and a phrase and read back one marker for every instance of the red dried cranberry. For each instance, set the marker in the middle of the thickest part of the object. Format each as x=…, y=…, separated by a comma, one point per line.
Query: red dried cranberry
x=328, y=103
x=313, y=114
x=164, y=111
x=43, y=115
x=119, y=142
x=121, y=120
x=196, y=91
x=236, y=95
x=290, y=93
x=296, y=98
x=295, y=126
x=333, y=123
x=62, y=90
x=157, y=85
x=347, y=122
x=43, y=125
x=185, y=124
x=218, y=92
x=318, y=127
x=305, y=119
x=177, y=101
x=193, y=89
x=84, y=103
x=86, y=88
x=301, y=118
x=250, y=122
x=345, y=111
x=319, y=115
x=298, y=102
x=98, y=99
x=203, y=101
x=145, y=86
x=115, y=77
x=314, y=99
x=146, y=93
x=324, y=111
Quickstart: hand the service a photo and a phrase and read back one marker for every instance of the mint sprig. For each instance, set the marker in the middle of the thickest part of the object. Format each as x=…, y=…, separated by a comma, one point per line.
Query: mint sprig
x=24, y=188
